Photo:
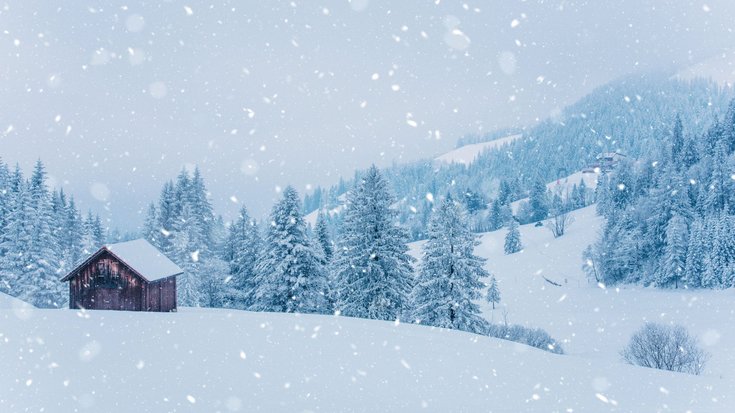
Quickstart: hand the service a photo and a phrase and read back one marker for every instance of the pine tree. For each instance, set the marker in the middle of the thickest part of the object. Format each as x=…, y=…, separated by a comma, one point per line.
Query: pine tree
x=677, y=141
x=322, y=235
x=94, y=235
x=581, y=200
x=372, y=267
x=184, y=252
x=697, y=248
x=689, y=153
x=673, y=260
x=151, y=231
x=202, y=217
x=15, y=238
x=496, y=216
x=214, y=289
x=41, y=272
x=493, y=292
x=290, y=276
x=449, y=275
x=241, y=251
x=74, y=228
x=720, y=186
x=167, y=216
x=539, y=201
x=721, y=256
x=513, y=238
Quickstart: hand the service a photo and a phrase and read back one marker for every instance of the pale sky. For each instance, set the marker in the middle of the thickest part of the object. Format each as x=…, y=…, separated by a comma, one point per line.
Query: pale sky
x=117, y=98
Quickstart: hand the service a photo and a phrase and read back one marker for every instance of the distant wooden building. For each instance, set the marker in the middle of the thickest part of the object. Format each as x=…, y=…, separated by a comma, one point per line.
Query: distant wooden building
x=132, y=276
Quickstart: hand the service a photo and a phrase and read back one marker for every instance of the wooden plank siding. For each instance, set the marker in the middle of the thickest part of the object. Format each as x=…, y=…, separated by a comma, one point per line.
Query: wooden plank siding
x=105, y=283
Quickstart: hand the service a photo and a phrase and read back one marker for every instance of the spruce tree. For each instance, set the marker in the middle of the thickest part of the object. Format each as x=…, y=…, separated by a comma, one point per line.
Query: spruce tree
x=151, y=231
x=241, y=251
x=673, y=260
x=184, y=251
x=513, y=238
x=322, y=235
x=493, y=292
x=41, y=272
x=372, y=267
x=539, y=201
x=449, y=275
x=677, y=142
x=15, y=237
x=290, y=276
x=697, y=248
x=496, y=216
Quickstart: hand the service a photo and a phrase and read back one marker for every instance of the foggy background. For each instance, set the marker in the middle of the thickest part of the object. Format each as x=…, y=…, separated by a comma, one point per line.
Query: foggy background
x=117, y=98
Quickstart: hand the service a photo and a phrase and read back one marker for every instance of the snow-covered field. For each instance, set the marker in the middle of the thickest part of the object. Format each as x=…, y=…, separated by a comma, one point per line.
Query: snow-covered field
x=203, y=360
x=467, y=154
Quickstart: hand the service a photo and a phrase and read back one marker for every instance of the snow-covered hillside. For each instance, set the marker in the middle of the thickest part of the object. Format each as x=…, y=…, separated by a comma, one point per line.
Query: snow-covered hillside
x=7, y=302
x=594, y=322
x=219, y=361
x=563, y=186
x=468, y=153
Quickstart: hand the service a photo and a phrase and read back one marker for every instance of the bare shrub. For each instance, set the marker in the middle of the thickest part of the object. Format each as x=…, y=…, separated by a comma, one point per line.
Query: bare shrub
x=559, y=222
x=665, y=347
x=534, y=337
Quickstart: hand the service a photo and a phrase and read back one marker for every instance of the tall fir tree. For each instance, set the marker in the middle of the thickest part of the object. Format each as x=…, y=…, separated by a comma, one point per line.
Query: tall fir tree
x=697, y=248
x=493, y=292
x=673, y=260
x=41, y=273
x=513, y=238
x=241, y=251
x=677, y=141
x=322, y=236
x=290, y=276
x=449, y=275
x=372, y=267
x=539, y=201
x=184, y=252
x=151, y=230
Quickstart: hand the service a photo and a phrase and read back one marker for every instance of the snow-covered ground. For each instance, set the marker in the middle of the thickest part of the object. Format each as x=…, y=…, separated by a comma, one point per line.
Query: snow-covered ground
x=203, y=360
x=8, y=303
x=594, y=322
x=468, y=153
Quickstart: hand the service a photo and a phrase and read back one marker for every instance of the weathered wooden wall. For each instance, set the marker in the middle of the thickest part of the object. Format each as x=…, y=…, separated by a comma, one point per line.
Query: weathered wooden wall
x=105, y=283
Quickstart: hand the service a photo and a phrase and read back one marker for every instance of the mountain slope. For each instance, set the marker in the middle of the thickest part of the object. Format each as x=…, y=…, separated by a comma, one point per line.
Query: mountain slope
x=595, y=322
x=468, y=153
x=720, y=68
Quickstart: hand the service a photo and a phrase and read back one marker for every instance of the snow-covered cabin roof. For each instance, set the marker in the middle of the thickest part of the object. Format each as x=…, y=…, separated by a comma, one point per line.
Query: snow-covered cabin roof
x=140, y=256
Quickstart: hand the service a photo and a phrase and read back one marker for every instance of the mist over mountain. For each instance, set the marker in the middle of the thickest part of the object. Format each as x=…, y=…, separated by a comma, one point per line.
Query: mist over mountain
x=116, y=99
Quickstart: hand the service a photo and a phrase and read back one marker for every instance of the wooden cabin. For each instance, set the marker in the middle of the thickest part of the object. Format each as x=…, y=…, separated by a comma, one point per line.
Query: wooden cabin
x=130, y=276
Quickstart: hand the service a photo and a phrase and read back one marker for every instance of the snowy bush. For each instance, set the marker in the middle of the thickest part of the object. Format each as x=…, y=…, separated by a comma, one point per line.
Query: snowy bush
x=665, y=347
x=534, y=337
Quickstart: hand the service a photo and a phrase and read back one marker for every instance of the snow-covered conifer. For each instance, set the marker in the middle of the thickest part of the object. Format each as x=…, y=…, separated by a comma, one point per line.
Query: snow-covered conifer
x=372, y=267
x=513, y=238
x=493, y=292
x=290, y=276
x=449, y=275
